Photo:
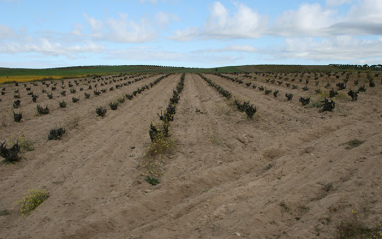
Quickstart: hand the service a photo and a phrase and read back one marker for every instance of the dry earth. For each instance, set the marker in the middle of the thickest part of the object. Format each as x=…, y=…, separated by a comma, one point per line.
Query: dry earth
x=287, y=173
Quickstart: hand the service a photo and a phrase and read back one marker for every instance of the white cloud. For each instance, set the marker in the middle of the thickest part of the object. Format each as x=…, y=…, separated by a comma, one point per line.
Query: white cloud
x=308, y=20
x=151, y=1
x=334, y=48
x=77, y=29
x=146, y=54
x=337, y=2
x=231, y=48
x=244, y=23
x=6, y=32
x=164, y=19
x=46, y=47
x=367, y=10
x=95, y=25
x=364, y=18
x=339, y=48
x=121, y=29
x=185, y=35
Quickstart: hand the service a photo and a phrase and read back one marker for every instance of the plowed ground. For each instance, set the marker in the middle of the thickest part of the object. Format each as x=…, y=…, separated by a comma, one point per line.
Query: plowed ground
x=287, y=173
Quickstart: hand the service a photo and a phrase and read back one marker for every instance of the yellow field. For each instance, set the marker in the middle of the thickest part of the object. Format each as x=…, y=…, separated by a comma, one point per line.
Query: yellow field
x=27, y=78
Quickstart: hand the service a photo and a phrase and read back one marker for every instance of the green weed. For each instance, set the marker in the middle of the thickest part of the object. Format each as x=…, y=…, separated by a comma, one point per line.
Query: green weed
x=354, y=143
x=24, y=143
x=32, y=200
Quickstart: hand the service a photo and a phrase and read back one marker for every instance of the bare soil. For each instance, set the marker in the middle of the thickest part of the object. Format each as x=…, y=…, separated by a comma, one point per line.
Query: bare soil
x=290, y=172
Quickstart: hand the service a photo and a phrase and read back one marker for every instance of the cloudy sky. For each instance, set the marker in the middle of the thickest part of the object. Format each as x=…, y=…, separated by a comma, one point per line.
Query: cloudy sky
x=197, y=33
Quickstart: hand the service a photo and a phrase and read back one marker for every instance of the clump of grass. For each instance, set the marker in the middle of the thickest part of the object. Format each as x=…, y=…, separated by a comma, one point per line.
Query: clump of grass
x=215, y=139
x=328, y=187
x=354, y=143
x=32, y=200
x=121, y=99
x=357, y=230
x=152, y=181
x=3, y=210
x=153, y=161
x=161, y=144
x=24, y=143
x=317, y=102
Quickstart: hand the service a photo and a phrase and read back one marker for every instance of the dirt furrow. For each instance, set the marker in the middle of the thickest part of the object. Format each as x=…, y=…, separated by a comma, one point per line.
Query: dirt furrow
x=74, y=112
x=88, y=170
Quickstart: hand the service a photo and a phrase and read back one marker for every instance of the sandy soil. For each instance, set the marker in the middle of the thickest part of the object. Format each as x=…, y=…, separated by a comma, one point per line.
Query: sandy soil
x=287, y=173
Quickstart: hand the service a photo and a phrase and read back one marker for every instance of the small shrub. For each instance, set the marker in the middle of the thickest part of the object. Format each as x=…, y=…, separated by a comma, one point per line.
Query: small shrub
x=353, y=95
x=289, y=96
x=304, y=101
x=332, y=93
x=16, y=104
x=341, y=86
x=246, y=107
x=327, y=105
x=155, y=133
x=101, y=111
x=267, y=92
x=87, y=96
x=168, y=114
x=113, y=105
x=17, y=116
x=371, y=83
x=10, y=155
x=62, y=104
x=129, y=97
x=42, y=111
x=32, y=200
x=56, y=133
x=97, y=92
x=74, y=99
x=34, y=98
x=362, y=88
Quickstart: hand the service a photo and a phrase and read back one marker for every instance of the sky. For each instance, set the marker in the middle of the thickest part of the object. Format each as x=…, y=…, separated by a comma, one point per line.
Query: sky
x=194, y=33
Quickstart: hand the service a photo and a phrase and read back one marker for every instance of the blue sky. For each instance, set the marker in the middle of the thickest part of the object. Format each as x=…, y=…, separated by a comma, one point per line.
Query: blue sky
x=56, y=33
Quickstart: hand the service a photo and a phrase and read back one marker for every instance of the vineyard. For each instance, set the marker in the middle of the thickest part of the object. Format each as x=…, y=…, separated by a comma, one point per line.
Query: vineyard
x=193, y=155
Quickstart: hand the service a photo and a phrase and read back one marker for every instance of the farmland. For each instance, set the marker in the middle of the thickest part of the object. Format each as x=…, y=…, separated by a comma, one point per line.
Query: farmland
x=244, y=153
